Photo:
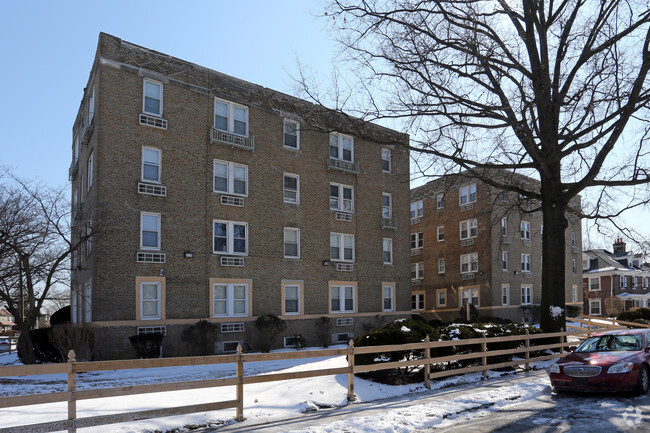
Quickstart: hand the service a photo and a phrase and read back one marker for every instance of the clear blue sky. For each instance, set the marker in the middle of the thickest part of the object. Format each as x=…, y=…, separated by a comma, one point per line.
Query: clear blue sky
x=47, y=49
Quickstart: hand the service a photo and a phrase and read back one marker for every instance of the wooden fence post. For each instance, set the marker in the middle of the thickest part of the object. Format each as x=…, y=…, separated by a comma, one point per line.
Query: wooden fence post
x=72, y=388
x=351, y=371
x=484, y=348
x=527, y=345
x=240, y=383
x=427, y=365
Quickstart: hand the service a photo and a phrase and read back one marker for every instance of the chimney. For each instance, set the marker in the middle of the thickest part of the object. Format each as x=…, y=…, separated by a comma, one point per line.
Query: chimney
x=619, y=247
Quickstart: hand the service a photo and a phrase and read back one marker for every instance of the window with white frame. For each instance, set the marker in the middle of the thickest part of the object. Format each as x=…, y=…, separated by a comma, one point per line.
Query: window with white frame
x=417, y=271
x=150, y=300
x=388, y=251
x=152, y=98
x=291, y=243
x=417, y=240
x=573, y=266
x=292, y=299
x=230, y=237
x=594, y=307
x=386, y=205
x=441, y=295
x=441, y=265
x=291, y=134
x=574, y=293
x=525, y=263
x=468, y=263
x=504, y=226
x=573, y=240
x=342, y=299
x=91, y=105
x=417, y=209
x=440, y=233
x=524, y=229
x=341, y=147
x=389, y=295
x=622, y=281
x=386, y=160
x=594, y=284
x=151, y=165
x=469, y=295
x=417, y=301
x=504, y=260
x=149, y=231
x=505, y=294
x=645, y=282
x=526, y=295
x=467, y=194
x=291, y=188
x=440, y=200
x=76, y=148
x=341, y=247
x=468, y=229
x=90, y=170
x=230, y=117
x=341, y=198
x=230, y=299
x=230, y=178
x=88, y=302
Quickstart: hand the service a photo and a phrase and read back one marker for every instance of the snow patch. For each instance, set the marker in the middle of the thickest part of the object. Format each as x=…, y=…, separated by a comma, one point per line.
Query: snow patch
x=405, y=329
x=556, y=312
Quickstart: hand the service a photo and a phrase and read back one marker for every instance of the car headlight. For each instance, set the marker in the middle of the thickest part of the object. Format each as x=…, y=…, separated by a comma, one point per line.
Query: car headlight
x=555, y=368
x=623, y=367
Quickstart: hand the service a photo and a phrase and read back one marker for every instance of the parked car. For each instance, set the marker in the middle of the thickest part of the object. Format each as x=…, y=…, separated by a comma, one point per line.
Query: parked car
x=607, y=361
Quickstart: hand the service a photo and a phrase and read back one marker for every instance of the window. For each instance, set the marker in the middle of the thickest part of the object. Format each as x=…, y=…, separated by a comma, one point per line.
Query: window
x=440, y=233
x=385, y=160
x=417, y=301
x=152, y=99
x=505, y=294
x=417, y=271
x=504, y=260
x=291, y=188
x=230, y=237
x=341, y=197
x=88, y=300
x=441, y=297
x=622, y=282
x=230, y=299
x=149, y=231
x=416, y=209
x=388, y=251
x=573, y=266
x=76, y=149
x=526, y=295
x=342, y=299
x=292, y=299
x=594, y=307
x=469, y=295
x=389, y=296
x=525, y=262
x=468, y=229
x=468, y=263
x=386, y=205
x=417, y=240
x=230, y=178
x=645, y=282
x=291, y=134
x=89, y=238
x=574, y=293
x=594, y=284
x=341, y=247
x=573, y=241
x=504, y=226
x=150, y=302
x=467, y=194
x=441, y=266
x=341, y=147
x=291, y=243
x=74, y=306
x=440, y=200
x=524, y=228
x=90, y=170
x=150, y=165
x=230, y=117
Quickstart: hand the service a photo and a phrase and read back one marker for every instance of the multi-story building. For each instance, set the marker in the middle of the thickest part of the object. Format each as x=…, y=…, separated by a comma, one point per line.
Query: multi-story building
x=6, y=320
x=614, y=282
x=472, y=243
x=213, y=198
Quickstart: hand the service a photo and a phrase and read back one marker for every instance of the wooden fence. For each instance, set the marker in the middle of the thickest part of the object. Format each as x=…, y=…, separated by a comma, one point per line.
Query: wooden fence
x=72, y=368
x=598, y=324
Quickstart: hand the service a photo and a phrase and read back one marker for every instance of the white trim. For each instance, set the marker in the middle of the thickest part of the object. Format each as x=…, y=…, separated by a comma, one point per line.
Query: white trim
x=388, y=214
x=526, y=295
x=341, y=289
x=230, y=177
x=600, y=307
x=340, y=197
x=391, y=296
x=284, y=134
x=341, y=246
x=471, y=261
x=505, y=294
x=465, y=193
x=390, y=250
x=340, y=138
x=298, y=299
x=389, y=160
x=89, y=170
x=158, y=231
x=230, y=119
x=144, y=93
x=417, y=209
x=417, y=271
x=440, y=233
x=157, y=299
x=472, y=225
x=442, y=265
x=418, y=300
x=230, y=237
x=297, y=232
x=229, y=300
x=157, y=164
x=285, y=189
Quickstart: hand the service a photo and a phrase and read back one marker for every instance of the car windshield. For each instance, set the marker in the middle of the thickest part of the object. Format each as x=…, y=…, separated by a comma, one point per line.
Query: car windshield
x=606, y=343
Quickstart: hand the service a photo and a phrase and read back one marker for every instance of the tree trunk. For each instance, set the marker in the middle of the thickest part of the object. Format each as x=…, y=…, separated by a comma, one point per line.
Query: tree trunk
x=25, y=346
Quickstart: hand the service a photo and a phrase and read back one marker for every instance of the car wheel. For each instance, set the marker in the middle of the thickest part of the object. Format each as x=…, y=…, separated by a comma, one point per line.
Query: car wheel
x=643, y=381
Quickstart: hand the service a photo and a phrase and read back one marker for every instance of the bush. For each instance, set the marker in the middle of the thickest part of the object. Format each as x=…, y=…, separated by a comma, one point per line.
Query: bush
x=324, y=330
x=147, y=345
x=573, y=310
x=44, y=350
x=269, y=326
x=490, y=319
x=201, y=337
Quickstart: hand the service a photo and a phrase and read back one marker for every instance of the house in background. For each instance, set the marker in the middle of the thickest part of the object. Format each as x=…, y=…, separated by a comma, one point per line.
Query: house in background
x=472, y=243
x=213, y=198
x=614, y=281
x=7, y=321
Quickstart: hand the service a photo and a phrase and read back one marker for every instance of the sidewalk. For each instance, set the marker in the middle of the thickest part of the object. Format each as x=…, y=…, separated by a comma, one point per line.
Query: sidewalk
x=373, y=408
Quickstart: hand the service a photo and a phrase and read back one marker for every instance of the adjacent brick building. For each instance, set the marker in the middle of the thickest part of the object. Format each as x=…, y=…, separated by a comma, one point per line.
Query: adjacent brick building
x=472, y=243
x=214, y=198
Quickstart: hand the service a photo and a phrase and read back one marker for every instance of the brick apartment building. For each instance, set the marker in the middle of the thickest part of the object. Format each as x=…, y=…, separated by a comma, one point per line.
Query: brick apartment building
x=473, y=243
x=614, y=281
x=214, y=199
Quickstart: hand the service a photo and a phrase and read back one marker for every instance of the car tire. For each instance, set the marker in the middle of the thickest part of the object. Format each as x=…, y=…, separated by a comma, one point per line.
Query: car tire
x=642, y=381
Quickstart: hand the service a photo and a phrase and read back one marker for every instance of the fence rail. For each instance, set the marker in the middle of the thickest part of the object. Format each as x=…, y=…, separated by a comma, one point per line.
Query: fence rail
x=73, y=367
x=598, y=324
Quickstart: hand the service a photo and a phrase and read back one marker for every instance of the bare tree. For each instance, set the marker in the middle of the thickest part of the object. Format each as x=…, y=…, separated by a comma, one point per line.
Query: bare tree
x=556, y=90
x=35, y=249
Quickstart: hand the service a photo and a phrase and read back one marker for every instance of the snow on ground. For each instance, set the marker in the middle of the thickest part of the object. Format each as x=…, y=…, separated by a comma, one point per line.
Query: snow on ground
x=264, y=402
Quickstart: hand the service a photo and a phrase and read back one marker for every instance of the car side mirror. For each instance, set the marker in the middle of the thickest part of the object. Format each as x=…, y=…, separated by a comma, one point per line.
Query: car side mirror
x=572, y=348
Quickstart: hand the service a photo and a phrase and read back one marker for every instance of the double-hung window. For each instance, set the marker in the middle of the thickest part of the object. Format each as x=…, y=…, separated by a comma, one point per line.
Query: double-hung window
x=150, y=300
x=341, y=147
x=468, y=229
x=505, y=294
x=230, y=117
x=622, y=282
x=152, y=98
x=291, y=243
x=526, y=295
x=440, y=233
x=468, y=263
x=441, y=265
x=342, y=299
x=91, y=105
x=389, y=295
x=149, y=231
x=230, y=299
x=441, y=297
x=291, y=188
x=150, y=165
x=230, y=237
x=230, y=178
x=417, y=301
x=386, y=205
x=525, y=263
x=504, y=226
x=417, y=271
x=469, y=296
x=341, y=198
x=292, y=299
x=388, y=251
x=467, y=194
x=524, y=229
x=385, y=160
x=90, y=170
x=504, y=260
x=341, y=247
x=440, y=200
x=417, y=240
x=291, y=134
x=594, y=284
x=594, y=307
x=417, y=209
